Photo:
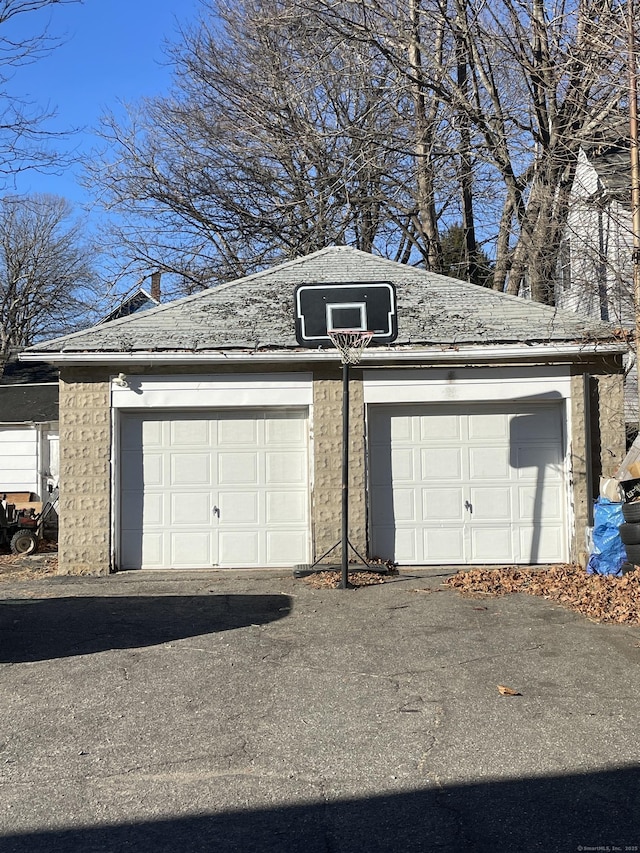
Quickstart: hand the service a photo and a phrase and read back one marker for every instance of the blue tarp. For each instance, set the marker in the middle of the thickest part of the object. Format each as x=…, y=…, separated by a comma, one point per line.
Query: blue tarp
x=608, y=552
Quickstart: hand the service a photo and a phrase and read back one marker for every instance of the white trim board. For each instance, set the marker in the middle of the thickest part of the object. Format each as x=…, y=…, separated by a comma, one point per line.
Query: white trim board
x=466, y=385
x=211, y=391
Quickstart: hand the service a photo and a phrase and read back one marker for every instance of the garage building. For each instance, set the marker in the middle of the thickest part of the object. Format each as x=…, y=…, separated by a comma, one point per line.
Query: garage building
x=200, y=433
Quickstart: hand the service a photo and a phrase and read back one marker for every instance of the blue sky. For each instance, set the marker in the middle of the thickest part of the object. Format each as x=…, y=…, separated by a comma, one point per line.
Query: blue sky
x=112, y=51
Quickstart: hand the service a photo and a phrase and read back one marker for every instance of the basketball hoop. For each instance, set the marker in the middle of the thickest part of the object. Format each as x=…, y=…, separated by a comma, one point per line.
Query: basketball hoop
x=350, y=343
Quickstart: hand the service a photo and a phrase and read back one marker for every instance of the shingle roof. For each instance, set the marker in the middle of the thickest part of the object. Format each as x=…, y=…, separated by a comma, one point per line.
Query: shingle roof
x=257, y=312
x=35, y=404
x=17, y=372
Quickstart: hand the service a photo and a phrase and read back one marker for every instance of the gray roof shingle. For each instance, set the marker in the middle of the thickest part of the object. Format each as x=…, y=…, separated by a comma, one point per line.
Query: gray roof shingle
x=257, y=312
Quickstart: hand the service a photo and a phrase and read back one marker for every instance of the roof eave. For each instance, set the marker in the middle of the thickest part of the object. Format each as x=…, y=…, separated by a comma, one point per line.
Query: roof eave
x=546, y=351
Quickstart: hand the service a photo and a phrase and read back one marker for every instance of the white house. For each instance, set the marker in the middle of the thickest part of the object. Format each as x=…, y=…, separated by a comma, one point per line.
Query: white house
x=595, y=270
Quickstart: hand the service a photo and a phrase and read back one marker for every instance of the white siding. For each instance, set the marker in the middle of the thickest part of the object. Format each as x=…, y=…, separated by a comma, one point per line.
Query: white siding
x=19, y=454
x=600, y=242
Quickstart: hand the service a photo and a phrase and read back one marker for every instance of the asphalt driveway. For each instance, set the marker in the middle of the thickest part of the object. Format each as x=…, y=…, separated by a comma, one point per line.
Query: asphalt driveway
x=248, y=712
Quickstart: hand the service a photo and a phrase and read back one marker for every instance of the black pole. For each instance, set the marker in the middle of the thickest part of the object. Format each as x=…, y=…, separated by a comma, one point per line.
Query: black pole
x=344, y=583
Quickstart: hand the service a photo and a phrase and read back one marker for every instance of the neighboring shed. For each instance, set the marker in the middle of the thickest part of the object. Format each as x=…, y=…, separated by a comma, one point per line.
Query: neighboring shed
x=29, y=410
x=200, y=434
x=28, y=427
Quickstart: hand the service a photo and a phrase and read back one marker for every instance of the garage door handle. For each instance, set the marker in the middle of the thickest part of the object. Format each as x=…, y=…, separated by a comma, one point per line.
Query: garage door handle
x=468, y=505
x=216, y=510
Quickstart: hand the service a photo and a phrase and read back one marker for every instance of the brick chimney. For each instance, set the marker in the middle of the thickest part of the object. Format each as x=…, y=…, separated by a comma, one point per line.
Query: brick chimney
x=155, y=285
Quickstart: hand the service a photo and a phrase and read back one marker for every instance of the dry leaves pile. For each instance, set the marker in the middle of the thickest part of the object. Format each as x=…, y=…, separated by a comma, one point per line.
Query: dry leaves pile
x=332, y=580
x=17, y=567
x=601, y=598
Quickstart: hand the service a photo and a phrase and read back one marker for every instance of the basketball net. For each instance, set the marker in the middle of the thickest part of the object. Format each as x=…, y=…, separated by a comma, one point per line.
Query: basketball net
x=350, y=343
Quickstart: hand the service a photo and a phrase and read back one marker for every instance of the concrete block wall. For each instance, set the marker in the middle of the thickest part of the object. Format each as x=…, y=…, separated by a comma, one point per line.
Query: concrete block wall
x=85, y=472
x=327, y=454
x=597, y=444
x=611, y=417
x=84, y=541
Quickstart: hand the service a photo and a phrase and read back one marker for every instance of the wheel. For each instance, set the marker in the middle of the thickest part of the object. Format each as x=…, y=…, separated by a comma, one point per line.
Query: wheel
x=630, y=533
x=631, y=512
x=633, y=554
x=24, y=542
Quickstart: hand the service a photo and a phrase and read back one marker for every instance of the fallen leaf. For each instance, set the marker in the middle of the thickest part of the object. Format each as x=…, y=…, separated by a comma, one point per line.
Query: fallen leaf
x=507, y=691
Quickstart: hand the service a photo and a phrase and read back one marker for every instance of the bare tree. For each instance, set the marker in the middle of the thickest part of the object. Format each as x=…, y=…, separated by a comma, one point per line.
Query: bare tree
x=26, y=142
x=379, y=123
x=524, y=82
x=280, y=138
x=46, y=277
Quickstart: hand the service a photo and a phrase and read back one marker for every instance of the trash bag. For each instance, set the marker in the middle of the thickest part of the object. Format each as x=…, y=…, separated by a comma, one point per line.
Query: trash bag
x=608, y=552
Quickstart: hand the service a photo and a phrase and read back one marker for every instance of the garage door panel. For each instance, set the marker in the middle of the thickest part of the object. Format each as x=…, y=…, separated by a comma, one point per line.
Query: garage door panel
x=403, y=506
x=153, y=509
x=547, y=502
x=444, y=544
x=190, y=508
x=152, y=550
x=239, y=507
x=284, y=431
x=439, y=427
x=237, y=468
x=189, y=433
x=284, y=548
x=189, y=469
x=403, y=465
x=442, y=504
x=190, y=550
x=492, y=544
x=235, y=432
x=286, y=467
x=404, y=546
x=489, y=425
x=491, y=503
x=240, y=547
x=530, y=461
x=535, y=427
x=401, y=429
x=152, y=470
x=489, y=462
x=438, y=463
x=541, y=544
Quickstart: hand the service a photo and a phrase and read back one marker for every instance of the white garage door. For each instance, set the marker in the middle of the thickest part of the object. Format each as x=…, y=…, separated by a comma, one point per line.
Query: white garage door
x=228, y=490
x=467, y=484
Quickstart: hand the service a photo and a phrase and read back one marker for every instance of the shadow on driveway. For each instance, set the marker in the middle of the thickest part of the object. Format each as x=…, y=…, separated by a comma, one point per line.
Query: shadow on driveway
x=594, y=811
x=47, y=628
